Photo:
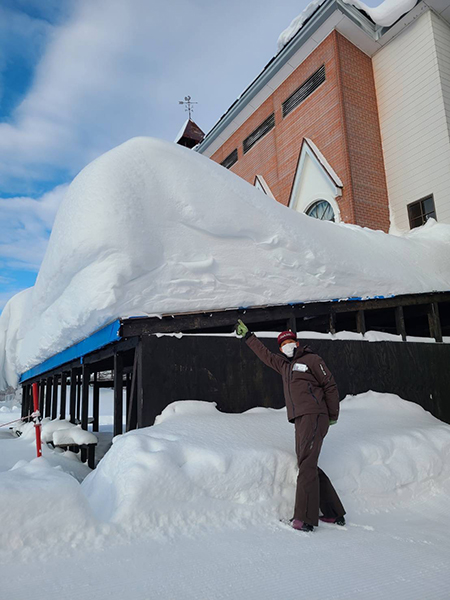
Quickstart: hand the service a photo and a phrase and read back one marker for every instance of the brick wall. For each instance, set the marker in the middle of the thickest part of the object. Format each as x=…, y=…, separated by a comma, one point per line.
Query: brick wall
x=334, y=118
x=361, y=122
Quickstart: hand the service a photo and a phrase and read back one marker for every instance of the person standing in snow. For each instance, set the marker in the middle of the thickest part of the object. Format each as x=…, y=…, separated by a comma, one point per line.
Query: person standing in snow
x=312, y=403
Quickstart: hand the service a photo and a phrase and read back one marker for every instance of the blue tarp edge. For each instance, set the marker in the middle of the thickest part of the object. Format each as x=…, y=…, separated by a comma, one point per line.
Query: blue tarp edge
x=97, y=340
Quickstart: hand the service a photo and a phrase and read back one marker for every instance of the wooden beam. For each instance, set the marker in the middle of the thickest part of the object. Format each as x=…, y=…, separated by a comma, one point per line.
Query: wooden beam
x=400, y=322
x=96, y=404
x=48, y=397
x=73, y=395
x=41, y=396
x=78, y=387
x=292, y=323
x=118, y=394
x=332, y=323
x=62, y=406
x=360, y=322
x=139, y=386
x=55, y=396
x=132, y=406
x=434, y=322
x=127, y=394
x=85, y=376
x=212, y=319
x=108, y=351
x=25, y=402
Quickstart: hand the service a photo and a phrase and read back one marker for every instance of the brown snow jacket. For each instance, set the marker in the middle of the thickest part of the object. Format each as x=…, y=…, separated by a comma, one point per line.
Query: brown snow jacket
x=309, y=387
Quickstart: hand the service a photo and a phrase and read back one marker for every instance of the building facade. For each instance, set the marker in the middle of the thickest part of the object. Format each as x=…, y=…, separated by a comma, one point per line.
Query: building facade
x=350, y=120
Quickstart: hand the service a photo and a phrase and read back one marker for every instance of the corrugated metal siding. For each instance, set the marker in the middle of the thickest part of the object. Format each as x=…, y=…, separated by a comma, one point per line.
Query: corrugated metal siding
x=412, y=78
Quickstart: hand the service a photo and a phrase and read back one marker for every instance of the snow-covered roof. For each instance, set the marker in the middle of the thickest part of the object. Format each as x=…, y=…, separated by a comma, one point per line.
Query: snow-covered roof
x=385, y=15
x=151, y=228
x=297, y=23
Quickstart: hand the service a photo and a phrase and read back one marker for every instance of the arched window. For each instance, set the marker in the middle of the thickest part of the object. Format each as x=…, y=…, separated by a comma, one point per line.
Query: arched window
x=321, y=210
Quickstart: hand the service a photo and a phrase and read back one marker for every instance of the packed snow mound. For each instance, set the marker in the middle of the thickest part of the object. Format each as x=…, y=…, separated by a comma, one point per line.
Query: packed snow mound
x=199, y=468
x=42, y=507
x=152, y=227
x=387, y=13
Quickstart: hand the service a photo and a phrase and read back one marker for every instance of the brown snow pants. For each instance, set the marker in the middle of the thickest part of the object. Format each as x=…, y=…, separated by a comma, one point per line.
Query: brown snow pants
x=314, y=489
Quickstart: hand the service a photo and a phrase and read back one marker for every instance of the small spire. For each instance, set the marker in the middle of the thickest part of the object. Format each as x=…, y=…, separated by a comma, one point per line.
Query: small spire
x=190, y=134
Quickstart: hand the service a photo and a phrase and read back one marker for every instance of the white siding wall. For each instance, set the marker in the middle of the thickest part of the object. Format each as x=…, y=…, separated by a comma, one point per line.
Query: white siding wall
x=412, y=79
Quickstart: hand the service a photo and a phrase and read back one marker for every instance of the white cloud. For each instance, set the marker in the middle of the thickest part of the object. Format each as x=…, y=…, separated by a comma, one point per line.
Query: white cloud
x=117, y=69
x=25, y=228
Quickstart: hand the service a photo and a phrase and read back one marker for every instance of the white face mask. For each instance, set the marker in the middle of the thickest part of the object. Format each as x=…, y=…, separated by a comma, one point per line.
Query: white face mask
x=289, y=349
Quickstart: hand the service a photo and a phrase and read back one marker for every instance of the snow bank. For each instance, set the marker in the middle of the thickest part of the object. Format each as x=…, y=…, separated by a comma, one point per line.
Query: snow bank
x=197, y=467
x=42, y=507
x=151, y=227
x=387, y=13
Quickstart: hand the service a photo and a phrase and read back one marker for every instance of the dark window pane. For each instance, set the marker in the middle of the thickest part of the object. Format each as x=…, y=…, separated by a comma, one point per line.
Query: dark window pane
x=428, y=205
x=414, y=210
x=416, y=222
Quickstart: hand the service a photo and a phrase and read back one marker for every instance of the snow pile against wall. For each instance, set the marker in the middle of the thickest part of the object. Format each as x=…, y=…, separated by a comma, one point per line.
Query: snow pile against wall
x=387, y=13
x=151, y=227
x=197, y=467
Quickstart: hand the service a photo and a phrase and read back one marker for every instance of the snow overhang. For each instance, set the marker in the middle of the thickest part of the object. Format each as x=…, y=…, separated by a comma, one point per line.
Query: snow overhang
x=355, y=25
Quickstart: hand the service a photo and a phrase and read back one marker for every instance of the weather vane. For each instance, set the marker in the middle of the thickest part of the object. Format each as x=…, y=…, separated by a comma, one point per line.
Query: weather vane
x=188, y=105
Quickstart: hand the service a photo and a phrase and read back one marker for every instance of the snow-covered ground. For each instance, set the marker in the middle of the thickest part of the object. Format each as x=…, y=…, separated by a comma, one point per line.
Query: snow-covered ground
x=190, y=508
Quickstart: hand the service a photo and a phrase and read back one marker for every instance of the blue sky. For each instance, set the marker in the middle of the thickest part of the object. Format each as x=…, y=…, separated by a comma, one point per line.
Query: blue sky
x=78, y=77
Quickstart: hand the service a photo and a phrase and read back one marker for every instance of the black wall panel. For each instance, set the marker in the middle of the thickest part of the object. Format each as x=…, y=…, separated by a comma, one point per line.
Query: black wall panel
x=225, y=371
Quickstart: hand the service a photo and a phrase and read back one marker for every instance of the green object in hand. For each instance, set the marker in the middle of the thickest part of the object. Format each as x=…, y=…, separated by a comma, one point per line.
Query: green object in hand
x=241, y=328
x=333, y=422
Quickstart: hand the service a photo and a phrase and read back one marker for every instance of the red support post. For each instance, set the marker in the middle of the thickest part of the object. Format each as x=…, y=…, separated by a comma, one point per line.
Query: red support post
x=37, y=419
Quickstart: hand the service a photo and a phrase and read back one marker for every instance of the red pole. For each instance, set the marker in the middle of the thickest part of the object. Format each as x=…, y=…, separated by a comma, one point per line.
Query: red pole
x=36, y=416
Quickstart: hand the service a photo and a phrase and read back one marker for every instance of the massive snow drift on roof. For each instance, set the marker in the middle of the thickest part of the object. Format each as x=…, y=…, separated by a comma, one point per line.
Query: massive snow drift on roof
x=151, y=227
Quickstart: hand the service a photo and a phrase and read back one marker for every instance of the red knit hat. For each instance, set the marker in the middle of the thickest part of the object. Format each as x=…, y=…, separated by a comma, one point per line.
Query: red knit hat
x=286, y=335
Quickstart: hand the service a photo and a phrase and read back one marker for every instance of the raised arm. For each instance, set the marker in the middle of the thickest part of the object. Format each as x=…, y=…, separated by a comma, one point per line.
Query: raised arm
x=268, y=358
